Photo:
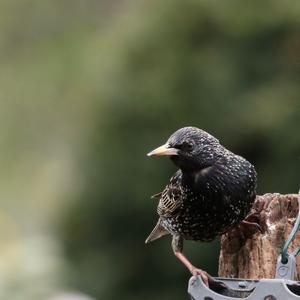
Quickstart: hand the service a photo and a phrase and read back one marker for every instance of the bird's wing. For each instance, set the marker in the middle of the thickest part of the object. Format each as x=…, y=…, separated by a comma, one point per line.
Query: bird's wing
x=169, y=204
x=172, y=197
x=158, y=195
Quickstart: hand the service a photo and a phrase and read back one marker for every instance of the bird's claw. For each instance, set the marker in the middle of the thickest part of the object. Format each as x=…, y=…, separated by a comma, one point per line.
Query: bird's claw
x=252, y=221
x=254, y=225
x=204, y=275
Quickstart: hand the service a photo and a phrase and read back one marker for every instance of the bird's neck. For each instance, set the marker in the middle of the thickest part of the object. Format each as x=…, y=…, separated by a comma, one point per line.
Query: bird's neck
x=190, y=165
x=195, y=177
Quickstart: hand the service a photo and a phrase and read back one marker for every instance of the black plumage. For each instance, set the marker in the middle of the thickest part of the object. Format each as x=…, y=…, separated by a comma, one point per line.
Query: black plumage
x=212, y=191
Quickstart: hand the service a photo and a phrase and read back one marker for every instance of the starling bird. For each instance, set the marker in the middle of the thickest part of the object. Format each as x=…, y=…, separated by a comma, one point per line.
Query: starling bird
x=212, y=191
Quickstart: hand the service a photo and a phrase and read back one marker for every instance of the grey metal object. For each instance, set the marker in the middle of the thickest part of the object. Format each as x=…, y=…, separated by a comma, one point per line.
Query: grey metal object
x=283, y=287
x=246, y=289
x=287, y=270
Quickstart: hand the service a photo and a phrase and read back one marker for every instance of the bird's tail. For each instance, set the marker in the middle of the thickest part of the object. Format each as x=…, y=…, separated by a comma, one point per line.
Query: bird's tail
x=157, y=232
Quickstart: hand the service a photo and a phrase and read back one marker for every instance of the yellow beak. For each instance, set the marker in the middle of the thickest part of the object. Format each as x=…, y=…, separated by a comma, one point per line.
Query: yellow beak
x=163, y=150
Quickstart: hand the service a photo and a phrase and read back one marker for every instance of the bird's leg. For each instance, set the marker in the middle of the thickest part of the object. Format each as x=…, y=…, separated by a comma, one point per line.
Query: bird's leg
x=177, y=246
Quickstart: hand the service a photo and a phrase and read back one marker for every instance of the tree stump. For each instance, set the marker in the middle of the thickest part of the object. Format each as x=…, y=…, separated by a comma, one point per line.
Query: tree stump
x=252, y=253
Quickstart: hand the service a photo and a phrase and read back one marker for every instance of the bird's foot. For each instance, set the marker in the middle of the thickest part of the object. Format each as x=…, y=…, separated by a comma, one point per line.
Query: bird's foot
x=252, y=221
x=204, y=275
x=195, y=271
x=253, y=225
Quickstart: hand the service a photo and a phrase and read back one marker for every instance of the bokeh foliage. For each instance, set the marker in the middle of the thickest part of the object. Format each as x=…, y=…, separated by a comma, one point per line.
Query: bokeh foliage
x=88, y=88
x=231, y=70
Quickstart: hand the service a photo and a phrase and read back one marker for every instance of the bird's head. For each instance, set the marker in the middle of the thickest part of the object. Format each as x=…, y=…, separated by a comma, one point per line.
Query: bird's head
x=190, y=148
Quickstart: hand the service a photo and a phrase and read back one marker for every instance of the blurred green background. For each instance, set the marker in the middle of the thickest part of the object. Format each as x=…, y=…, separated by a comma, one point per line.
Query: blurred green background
x=87, y=88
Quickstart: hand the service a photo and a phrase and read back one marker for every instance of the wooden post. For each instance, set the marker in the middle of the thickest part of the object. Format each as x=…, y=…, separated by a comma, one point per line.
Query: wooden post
x=249, y=253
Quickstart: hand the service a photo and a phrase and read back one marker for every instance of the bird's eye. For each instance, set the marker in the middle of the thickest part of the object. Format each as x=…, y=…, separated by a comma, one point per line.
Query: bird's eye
x=188, y=146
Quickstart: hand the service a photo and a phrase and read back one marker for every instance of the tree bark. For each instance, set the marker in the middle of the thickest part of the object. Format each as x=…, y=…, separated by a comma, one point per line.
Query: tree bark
x=247, y=252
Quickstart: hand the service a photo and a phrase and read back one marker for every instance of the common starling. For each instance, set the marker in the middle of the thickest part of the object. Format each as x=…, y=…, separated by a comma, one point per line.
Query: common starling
x=212, y=191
